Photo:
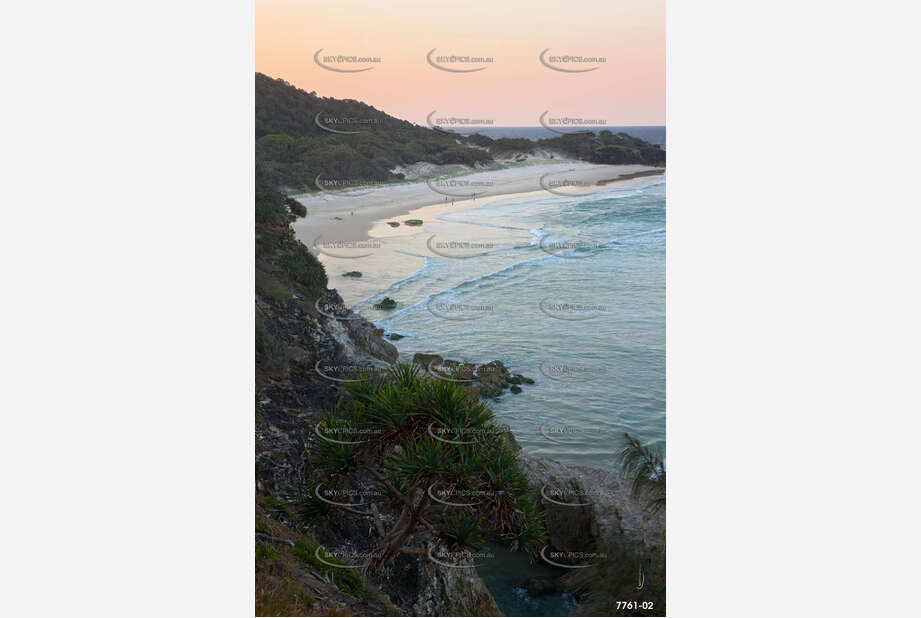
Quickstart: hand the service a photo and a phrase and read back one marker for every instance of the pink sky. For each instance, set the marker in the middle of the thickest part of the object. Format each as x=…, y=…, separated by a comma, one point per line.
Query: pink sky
x=627, y=89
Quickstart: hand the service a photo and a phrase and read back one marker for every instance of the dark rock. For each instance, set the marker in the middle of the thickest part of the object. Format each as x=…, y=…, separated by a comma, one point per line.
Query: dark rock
x=298, y=355
x=387, y=303
x=413, y=222
x=492, y=377
x=396, y=336
x=352, y=273
x=506, y=432
x=427, y=359
x=569, y=528
x=445, y=591
x=393, y=223
x=611, y=514
x=459, y=371
x=515, y=389
x=538, y=587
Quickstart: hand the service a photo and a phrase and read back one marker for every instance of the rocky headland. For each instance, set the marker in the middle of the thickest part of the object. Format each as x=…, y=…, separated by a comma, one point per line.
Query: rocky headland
x=585, y=510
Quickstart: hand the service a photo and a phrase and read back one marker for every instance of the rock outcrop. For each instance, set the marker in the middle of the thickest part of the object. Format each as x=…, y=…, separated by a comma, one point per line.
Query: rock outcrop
x=488, y=381
x=290, y=398
x=453, y=592
x=584, y=505
x=570, y=517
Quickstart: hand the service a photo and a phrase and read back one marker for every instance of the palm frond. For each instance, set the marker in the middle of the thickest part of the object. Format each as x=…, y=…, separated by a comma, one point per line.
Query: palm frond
x=646, y=469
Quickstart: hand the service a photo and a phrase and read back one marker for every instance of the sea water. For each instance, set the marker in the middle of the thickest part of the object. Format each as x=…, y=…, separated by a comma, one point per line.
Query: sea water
x=568, y=290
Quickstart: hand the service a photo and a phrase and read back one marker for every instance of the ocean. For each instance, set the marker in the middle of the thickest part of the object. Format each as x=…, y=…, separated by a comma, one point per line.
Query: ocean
x=566, y=290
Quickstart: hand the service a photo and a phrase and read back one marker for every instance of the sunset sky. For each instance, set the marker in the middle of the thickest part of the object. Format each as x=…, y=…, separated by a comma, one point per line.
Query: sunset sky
x=627, y=89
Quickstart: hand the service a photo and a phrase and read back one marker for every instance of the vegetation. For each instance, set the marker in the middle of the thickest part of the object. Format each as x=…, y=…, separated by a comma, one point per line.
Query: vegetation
x=463, y=533
x=294, y=149
x=362, y=144
x=603, y=147
x=346, y=578
x=285, y=268
x=646, y=468
x=284, y=567
x=422, y=433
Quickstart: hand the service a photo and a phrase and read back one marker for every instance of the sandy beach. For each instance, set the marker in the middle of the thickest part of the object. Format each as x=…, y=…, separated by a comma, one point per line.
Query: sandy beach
x=363, y=212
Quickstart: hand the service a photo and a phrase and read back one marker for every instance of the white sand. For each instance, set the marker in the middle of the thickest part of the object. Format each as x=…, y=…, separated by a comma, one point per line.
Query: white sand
x=361, y=213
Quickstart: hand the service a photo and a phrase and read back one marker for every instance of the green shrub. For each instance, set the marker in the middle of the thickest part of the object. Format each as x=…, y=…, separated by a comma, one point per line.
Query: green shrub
x=344, y=577
x=405, y=406
x=302, y=266
x=334, y=457
x=276, y=507
x=462, y=532
x=453, y=406
x=426, y=457
x=307, y=506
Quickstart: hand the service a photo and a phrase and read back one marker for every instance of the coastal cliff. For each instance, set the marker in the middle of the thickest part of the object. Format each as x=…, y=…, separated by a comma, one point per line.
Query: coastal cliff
x=291, y=398
x=297, y=537
x=364, y=465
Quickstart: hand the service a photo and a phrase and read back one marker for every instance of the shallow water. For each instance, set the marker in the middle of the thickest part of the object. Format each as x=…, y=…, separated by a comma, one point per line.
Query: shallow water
x=505, y=574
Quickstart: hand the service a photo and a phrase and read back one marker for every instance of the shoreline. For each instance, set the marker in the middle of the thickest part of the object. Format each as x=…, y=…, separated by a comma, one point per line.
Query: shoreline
x=343, y=242
x=361, y=214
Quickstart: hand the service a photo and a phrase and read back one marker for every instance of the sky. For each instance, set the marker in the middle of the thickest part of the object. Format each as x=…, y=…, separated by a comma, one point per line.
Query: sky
x=628, y=88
